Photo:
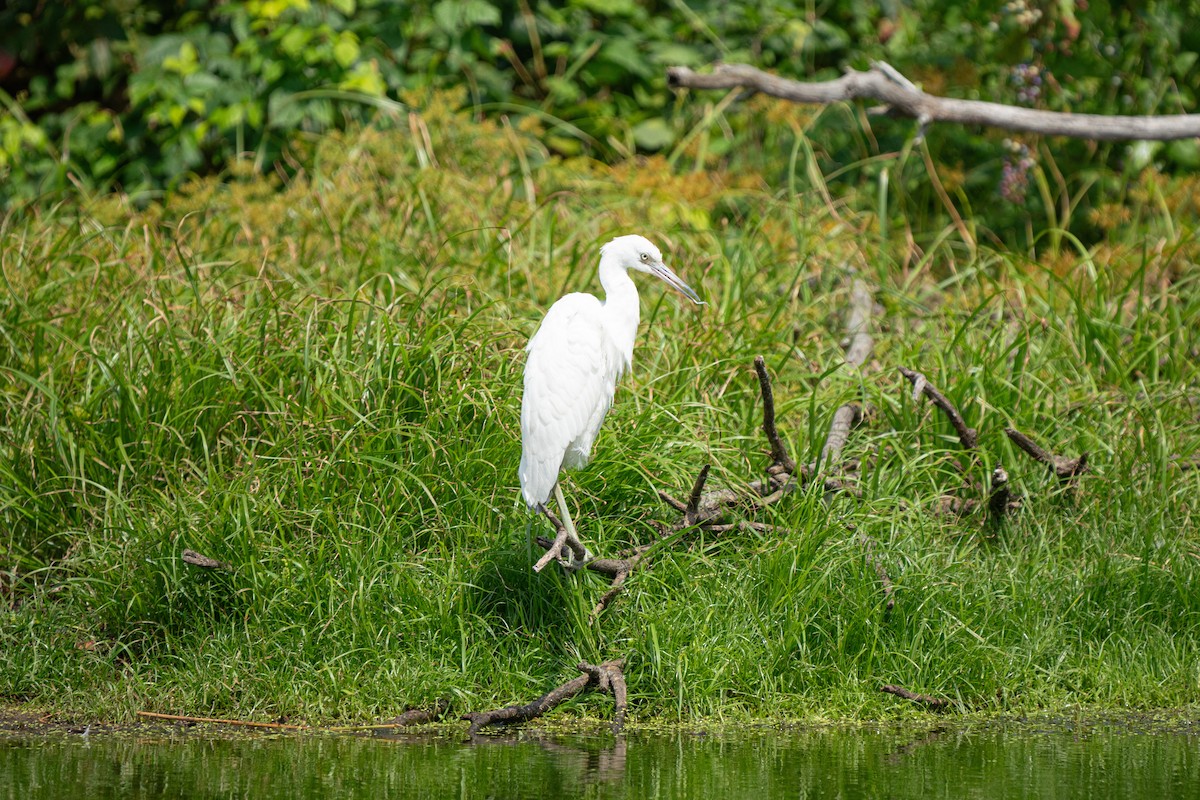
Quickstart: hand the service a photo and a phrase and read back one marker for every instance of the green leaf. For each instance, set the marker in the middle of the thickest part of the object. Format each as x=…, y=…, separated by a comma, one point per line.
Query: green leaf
x=562, y=89
x=346, y=51
x=295, y=40
x=608, y=8
x=1185, y=153
x=653, y=134
x=625, y=54
x=454, y=15
x=674, y=53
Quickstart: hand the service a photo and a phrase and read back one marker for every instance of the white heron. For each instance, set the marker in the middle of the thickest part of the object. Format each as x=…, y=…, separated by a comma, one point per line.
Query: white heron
x=580, y=350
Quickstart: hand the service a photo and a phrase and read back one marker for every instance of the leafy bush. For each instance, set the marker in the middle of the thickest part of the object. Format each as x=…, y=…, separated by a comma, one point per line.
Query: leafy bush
x=136, y=95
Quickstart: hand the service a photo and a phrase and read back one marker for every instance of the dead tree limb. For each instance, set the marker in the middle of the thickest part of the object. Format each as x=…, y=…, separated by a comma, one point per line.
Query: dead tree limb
x=614, y=589
x=705, y=510
x=617, y=569
x=845, y=418
x=566, y=548
x=901, y=98
x=556, y=550
x=859, y=344
x=929, y=701
x=691, y=512
x=781, y=461
x=616, y=679
x=967, y=436
x=1065, y=469
x=606, y=677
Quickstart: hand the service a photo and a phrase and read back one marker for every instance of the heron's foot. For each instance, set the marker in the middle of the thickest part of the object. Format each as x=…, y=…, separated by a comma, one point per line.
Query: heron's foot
x=574, y=563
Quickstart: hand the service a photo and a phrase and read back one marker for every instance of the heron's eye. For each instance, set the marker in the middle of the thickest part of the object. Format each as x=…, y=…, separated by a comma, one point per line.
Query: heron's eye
x=645, y=256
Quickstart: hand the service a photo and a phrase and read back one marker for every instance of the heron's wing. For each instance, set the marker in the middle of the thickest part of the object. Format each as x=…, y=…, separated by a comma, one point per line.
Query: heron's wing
x=570, y=375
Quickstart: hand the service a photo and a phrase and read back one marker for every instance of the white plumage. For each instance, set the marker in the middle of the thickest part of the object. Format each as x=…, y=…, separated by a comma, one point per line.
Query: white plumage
x=580, y=350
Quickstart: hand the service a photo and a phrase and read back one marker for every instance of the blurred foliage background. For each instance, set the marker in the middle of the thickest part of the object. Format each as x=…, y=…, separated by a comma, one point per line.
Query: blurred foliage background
x=140, y=95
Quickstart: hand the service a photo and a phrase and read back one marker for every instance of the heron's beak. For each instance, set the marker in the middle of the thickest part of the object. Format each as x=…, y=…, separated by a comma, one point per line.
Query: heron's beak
x=676, y=283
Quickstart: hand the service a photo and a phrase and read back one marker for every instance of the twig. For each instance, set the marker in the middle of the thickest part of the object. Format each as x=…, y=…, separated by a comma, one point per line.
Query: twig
x=930, y=702
x=1066, y=469
x=900, y=97
x=617, y=569
x=967, y=436
x=691, y=512
x=606, y=677
x=845, y=418
x=614, y=589
x=553, y=551
x=706, y=510
x=742, y=525
x=779, y=453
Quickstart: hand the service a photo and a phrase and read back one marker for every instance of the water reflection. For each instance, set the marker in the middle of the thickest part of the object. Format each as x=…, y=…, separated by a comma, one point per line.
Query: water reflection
x=1057, y=762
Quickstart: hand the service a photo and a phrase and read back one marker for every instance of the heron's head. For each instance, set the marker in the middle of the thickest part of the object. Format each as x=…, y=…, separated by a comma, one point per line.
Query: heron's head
x=639, y=253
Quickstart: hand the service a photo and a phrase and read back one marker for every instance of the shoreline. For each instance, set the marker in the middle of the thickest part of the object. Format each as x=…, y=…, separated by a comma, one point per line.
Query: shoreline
x=18, y=722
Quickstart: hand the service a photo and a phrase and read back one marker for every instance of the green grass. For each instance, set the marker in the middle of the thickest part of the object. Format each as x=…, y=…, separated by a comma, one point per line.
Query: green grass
x=320, y=385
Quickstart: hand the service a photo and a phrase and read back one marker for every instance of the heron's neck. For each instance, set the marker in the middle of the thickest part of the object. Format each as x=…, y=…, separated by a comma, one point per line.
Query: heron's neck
x=621, y=308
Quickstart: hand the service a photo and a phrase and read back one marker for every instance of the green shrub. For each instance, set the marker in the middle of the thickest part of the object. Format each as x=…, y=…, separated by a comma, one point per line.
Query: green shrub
x=137, y=95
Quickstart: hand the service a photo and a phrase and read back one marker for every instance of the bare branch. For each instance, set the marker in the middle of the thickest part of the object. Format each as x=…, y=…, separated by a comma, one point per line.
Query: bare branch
x=845, y=418
x=606, y=677
x=858, y=323
x=884, y=84
x=513, y=715
x=678, y=505
x=968, y=437
x=616, y=679
x=858, y=349
x=554, y=551
x=742, y=525
x=692, y=512
x=1066, y=469
x=779, y=453
x=618, y=582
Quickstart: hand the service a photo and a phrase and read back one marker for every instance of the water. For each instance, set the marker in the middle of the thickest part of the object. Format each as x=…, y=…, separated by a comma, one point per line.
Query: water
x=1104, y=761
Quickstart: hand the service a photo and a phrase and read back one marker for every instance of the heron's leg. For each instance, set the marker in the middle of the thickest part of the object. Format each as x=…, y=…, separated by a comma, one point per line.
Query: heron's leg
x=579, y=554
